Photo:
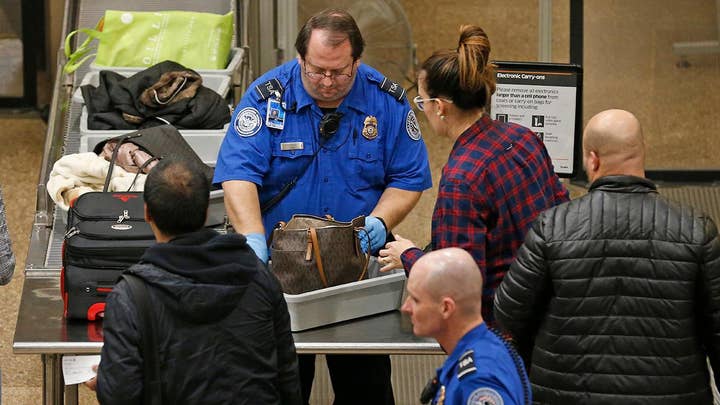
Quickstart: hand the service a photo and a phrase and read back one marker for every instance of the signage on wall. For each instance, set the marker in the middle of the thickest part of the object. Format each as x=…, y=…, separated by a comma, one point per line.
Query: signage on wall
x=547, y=98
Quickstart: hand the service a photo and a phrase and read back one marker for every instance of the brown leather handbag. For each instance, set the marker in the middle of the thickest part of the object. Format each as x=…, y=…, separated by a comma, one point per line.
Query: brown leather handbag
x=309, y=253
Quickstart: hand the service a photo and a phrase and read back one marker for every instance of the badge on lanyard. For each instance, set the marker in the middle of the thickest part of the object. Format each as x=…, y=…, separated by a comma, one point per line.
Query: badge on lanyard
x=275, y=117
x=370, y=130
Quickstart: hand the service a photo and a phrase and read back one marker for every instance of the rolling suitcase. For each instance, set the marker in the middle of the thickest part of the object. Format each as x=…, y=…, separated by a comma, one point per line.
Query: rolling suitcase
x=106, y=233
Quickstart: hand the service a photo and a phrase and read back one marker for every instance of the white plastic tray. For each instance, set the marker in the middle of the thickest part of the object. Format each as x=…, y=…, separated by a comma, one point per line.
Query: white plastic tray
x=218, y=83
x=232, y=66
x=347, y=301
x=205, y=142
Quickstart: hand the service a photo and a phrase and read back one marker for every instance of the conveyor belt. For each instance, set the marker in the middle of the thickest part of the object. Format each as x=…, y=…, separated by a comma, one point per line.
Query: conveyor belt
x=53, y=257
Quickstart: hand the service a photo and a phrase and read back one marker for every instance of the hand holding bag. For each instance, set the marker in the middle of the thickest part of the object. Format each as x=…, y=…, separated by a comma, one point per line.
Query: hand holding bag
x=309, y=253
x=145, y=38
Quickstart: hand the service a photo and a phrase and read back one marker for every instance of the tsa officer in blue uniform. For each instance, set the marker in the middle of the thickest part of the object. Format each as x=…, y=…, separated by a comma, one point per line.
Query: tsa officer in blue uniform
x=444, y=295
x=325, y=134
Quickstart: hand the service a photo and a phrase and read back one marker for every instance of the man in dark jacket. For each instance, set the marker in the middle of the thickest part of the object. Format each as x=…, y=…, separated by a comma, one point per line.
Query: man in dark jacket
x=221, y=321
x=617, y=293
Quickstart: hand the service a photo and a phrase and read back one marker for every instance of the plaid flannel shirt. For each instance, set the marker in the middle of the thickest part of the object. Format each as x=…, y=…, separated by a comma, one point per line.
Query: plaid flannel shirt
x=498, y=178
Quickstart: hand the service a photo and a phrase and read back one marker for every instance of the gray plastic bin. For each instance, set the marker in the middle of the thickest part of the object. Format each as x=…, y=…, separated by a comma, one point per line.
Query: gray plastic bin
x=347, y=301
x=205, y=142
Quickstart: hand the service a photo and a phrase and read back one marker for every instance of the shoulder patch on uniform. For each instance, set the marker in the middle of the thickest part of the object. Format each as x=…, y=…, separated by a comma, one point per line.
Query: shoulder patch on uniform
x=271, y=87
x=247, y=122
x=393, y=88
x=412, y=127
x=484, y=396
x=466, y=364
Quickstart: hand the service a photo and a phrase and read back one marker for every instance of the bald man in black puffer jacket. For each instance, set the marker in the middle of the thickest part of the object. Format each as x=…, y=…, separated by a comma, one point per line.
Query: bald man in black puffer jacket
x=615, y=297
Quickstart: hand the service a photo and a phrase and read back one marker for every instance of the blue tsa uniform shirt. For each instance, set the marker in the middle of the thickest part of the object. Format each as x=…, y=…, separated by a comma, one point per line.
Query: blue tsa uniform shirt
x=274, y=135
x=482, y=371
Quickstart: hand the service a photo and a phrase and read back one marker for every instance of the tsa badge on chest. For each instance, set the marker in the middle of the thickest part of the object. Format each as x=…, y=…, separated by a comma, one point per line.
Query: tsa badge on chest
x=370, y=130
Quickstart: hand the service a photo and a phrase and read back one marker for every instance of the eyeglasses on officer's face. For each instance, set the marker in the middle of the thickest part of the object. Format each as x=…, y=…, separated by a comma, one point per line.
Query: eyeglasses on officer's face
x=420, y=102
x=336, y=76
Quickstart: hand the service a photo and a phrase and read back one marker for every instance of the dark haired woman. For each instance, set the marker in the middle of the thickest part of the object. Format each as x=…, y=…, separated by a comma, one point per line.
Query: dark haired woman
x=498, y=177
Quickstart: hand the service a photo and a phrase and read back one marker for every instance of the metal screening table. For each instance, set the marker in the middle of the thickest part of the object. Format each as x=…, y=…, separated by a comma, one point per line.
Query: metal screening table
x=41, y=329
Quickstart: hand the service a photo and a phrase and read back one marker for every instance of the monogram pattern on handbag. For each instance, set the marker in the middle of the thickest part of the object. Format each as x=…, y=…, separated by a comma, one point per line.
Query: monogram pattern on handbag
x=309, y=253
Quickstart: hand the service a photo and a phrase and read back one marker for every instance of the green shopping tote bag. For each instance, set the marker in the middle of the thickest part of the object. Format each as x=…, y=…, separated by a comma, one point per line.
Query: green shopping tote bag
x=144, y=38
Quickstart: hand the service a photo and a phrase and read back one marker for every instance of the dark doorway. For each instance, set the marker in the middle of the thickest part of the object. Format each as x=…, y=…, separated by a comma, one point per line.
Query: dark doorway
x=22, y=34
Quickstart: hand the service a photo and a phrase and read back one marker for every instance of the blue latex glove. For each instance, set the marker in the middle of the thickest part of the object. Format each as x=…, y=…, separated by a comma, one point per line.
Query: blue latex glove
x=376, y=232
x=257, y=243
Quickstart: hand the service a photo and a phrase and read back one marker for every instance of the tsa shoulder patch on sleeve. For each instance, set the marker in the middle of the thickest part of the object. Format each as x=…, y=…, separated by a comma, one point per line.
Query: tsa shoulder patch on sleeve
x=412, y=127
x=393, y=89
x=484, y=396
x=247, y=122
x=466, y=364
x=270, y=88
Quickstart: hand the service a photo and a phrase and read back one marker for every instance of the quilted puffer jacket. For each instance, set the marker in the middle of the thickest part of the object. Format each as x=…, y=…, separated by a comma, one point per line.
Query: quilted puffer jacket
x=617, y=295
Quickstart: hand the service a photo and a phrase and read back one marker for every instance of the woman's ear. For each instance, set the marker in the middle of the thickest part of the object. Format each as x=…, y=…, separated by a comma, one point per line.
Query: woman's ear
x=442, y=108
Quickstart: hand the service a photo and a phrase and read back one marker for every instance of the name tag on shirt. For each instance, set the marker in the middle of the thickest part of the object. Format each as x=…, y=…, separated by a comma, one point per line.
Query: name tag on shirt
x=292, y=146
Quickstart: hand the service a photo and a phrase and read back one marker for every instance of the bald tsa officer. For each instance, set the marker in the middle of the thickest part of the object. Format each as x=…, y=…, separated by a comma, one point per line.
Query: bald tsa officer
x=444, y=302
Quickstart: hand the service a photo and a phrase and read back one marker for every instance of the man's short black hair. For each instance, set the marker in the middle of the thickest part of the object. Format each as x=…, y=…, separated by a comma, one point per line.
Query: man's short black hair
x=177, y=195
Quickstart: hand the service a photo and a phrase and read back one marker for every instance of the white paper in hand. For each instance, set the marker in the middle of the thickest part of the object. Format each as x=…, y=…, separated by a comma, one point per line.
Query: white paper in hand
x=78, y=369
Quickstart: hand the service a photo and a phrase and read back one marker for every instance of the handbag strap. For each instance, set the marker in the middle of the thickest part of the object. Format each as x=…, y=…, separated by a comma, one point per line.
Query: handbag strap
x=114, y=158
x=358, y=248
x=314, y=248
x=151, y=366
x=365, y=266
x=318, y=257
x=141, y=168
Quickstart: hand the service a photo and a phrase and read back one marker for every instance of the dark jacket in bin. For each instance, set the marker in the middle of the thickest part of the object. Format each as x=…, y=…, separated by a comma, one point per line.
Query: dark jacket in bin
x=223, y=327
x=165, y=93
x=620, y=290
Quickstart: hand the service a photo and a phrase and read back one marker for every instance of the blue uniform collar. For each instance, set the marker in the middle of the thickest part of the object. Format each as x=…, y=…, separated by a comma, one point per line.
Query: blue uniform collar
x=475, y=334
x=357, y=99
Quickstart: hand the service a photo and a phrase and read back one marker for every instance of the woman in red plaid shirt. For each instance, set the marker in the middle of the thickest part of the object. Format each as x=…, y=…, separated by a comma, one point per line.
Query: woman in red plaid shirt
x=498, y=177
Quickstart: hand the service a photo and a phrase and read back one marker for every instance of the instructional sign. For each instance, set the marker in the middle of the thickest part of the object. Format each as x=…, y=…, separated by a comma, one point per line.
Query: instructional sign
x=544, y=97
